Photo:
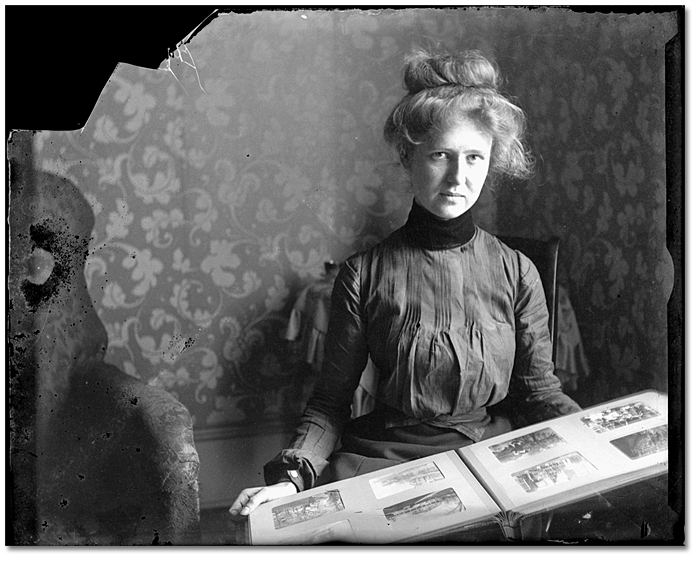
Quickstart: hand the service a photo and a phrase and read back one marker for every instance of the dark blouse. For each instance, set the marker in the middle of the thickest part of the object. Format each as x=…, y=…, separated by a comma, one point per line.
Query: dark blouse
x=453, y=320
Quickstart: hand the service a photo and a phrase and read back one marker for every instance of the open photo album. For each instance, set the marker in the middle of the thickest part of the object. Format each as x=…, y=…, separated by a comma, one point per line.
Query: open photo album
x=491, y=484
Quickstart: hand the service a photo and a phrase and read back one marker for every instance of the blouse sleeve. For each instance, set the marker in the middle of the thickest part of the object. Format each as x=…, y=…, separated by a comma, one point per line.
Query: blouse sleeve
x=534, y=384
x=329, y=407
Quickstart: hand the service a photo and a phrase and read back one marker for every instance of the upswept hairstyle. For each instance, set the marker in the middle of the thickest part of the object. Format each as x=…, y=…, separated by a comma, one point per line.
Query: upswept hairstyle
x=445, y=89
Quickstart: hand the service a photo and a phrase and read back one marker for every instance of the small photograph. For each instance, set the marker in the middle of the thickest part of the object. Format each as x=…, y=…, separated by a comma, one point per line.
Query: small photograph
x=307, y=509
x=406, y=479
x=440, y=503
x=616, y=417
x=643, y=443
x=340, y=531
x=554, y=472
x=526, y=445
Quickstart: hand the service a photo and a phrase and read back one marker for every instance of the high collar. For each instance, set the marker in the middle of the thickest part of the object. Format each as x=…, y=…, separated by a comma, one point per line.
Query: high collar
x=431, y=232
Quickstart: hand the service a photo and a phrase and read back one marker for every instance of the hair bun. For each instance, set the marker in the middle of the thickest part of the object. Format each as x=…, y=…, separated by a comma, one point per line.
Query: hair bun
x=425, y=70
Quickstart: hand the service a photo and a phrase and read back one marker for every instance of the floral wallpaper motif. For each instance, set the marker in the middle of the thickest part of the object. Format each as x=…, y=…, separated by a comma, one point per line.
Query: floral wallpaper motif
x=222, y=181
x=595, y=98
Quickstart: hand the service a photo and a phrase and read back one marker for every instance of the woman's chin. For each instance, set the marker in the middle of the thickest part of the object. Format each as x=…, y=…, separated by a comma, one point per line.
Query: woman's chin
x=446, y=207
x=451, y=209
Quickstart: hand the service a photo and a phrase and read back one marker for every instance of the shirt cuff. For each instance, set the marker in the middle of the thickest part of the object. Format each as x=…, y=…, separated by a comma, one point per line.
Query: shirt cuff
x=295, y=477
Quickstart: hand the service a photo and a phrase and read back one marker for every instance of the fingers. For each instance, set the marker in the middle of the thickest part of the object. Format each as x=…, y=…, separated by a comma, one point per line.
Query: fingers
x=241, y=502
x=262, y=496
x=249, y=499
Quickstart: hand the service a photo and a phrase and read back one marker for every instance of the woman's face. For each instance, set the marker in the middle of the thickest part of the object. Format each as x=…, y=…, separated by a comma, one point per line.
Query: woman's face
x=448, y=171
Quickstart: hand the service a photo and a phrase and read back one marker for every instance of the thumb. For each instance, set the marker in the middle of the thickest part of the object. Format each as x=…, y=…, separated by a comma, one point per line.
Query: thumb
x=242, y=499
x=255, y=500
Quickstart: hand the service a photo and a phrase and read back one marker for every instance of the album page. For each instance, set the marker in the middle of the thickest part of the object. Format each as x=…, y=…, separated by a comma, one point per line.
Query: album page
x=412, y=501
x=571, y=457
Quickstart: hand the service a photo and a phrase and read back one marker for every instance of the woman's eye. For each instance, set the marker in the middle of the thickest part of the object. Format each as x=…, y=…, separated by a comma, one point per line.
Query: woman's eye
x=39, y=266
x=439, y=155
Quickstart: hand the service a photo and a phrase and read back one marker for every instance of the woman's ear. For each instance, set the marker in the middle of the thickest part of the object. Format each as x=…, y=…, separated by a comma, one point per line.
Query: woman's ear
x=403, y=158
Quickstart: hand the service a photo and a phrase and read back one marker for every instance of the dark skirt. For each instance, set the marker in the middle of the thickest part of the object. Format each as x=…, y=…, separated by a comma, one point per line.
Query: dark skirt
x=367, y=445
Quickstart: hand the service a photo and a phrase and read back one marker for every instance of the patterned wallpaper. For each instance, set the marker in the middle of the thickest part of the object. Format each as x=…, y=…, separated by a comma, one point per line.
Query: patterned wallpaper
x=594, y=93
x=222, y=181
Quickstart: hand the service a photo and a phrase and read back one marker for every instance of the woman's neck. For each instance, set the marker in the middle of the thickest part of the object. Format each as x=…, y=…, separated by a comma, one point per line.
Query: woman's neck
x=432, y=232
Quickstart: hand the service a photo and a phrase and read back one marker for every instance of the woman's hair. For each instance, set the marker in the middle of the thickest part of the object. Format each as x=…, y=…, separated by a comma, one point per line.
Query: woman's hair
x=445, y=89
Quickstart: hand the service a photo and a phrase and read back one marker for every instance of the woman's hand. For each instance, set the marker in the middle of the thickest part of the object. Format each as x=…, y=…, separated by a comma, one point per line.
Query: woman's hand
x=250, y=499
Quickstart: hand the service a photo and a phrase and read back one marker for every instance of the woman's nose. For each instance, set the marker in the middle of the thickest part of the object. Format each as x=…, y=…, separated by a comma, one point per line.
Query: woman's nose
x=458, y=171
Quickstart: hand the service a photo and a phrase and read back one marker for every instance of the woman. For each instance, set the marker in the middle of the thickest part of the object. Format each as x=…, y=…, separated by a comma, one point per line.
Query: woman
x=452, y=318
